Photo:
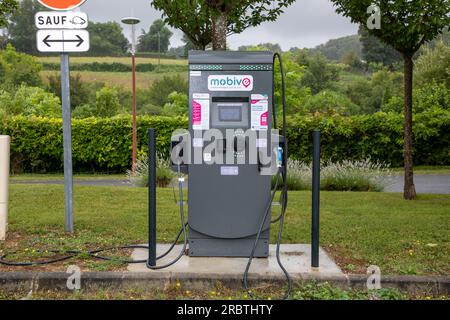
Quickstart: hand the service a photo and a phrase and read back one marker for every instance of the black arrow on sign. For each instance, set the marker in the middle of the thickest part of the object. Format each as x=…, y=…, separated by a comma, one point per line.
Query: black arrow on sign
x=47, y=40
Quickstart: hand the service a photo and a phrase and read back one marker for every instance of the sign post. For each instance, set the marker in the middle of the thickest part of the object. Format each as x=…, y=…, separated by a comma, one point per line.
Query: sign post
x=62, y=31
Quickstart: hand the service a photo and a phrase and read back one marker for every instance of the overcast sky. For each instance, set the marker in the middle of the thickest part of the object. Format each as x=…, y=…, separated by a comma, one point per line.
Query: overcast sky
x=306, y=23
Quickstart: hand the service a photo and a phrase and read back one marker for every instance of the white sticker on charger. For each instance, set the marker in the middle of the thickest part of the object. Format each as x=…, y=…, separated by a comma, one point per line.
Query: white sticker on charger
x=259, y=112
x=195, y=73
x=200, y=111
x=207, y=157
x=229, y=171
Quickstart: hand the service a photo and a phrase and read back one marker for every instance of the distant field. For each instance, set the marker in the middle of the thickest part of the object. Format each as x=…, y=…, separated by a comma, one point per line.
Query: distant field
x=143, y=79
x=124, y=60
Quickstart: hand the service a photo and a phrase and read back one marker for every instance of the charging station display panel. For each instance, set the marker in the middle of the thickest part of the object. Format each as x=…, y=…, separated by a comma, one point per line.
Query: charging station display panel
x=230, y=113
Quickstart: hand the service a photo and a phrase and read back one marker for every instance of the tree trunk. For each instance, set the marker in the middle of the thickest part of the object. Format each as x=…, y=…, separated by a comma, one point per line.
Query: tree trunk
x=409, y=191
x=219, y=32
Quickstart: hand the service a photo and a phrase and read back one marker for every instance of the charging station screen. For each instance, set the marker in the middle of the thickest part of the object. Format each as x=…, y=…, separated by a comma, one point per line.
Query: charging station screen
x=230, y=113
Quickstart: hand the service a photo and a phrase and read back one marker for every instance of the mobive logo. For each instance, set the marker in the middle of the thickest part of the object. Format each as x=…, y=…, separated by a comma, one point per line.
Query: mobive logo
x=230, y=83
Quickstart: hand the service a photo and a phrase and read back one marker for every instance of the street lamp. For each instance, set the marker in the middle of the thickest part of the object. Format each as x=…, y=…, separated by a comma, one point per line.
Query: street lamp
x=133, y=22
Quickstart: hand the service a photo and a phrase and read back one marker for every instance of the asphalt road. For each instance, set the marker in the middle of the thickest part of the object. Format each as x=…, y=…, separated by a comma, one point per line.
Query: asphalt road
x=427, y=183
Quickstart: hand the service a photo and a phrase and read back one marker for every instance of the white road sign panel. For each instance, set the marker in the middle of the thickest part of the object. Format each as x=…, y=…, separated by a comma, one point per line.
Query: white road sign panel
x=61, y=20
x=62, y=40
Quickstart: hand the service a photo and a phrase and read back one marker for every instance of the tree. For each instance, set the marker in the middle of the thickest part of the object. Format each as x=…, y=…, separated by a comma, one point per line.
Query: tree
x=274, y=47
x=406, y=26
x=335, y=49
x=157, y=39
x=6, y=7
x=107, y=39
x=19, y=68
x=374, y=50
x=211, y=21
x=21, y=28
x=320, y=73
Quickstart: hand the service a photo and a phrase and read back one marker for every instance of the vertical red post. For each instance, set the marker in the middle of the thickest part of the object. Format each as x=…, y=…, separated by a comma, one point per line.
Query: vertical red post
x=134, y=147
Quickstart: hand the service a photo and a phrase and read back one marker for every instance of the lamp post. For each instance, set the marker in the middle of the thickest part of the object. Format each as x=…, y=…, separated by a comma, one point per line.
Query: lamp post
x=133, y=22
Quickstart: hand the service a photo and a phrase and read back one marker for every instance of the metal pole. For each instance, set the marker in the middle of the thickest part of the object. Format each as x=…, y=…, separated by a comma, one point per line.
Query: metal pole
x=151, y=198
x=133, y=62
x=67, y=140
x=4, y=182
x=315, y=200
x=159, y=50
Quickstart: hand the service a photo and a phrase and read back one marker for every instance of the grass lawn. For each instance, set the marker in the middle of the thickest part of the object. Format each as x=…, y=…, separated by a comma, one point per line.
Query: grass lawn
x=358, y=229
x=310, y=291
x=122, y=79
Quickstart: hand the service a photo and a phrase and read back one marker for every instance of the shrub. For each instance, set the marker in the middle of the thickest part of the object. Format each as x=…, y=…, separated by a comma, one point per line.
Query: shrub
x=330, y=102
x=30, y=101
x=434, y=65
x=104, y=144
x=177, y=104
x=161, y=88
x=363, y=175
x=19, y=68
x=164, y=175
x=80, y=92
x=106, y=105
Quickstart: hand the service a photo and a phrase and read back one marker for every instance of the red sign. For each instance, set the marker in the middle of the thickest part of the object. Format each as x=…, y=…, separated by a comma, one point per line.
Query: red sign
x=62, y=4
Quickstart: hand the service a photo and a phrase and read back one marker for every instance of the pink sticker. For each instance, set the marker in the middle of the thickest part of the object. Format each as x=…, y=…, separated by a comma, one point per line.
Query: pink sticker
x=264, y=119
x=196, y=113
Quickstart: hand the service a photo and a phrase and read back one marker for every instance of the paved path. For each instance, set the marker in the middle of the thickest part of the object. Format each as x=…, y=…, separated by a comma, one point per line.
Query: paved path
x=425, y=183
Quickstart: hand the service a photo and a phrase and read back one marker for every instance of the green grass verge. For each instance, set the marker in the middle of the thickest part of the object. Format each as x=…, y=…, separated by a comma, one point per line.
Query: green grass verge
x=358, y=229
x=312, y=291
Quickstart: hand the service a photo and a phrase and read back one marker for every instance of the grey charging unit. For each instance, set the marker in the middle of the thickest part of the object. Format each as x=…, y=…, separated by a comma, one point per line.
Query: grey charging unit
x=227, y=201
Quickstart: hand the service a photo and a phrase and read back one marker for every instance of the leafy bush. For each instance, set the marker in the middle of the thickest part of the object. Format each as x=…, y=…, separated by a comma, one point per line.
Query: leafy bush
x=164, y=175
x=19, y=68
x=105, y=144
x=80, y=92
x=30, y=101
x=330, y=102
x=433, y=65
x=177, y=104
x=106, y=105
x=428, y=96
x=161, y=88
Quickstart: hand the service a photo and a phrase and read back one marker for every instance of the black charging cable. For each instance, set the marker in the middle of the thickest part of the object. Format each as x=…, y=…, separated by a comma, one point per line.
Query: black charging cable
x=69, y=254
x=283, y=197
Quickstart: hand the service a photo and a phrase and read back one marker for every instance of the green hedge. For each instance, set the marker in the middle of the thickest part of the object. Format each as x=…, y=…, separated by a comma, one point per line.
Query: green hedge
x=105, y=144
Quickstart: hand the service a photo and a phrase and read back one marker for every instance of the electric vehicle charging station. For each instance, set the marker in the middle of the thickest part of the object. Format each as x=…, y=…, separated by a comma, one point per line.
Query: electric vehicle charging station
x=230, y=153
x=227, y=199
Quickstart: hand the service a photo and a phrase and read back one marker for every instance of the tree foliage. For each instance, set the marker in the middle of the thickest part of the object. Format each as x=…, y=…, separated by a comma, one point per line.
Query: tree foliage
x=210, y=21
x=375, y=51
x=6, y=7
x=18, y=68
x=107, y=39
x=405, y=26
x=157, y=39
x=21, y=28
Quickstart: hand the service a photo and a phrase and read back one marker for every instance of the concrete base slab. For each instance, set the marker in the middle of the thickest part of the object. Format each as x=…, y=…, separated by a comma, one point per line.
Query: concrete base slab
x=296, y=258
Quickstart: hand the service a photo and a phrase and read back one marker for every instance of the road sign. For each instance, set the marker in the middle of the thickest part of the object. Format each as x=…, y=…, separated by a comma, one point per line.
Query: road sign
x=62, y=4
x=61, y=20
x=62, y=40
